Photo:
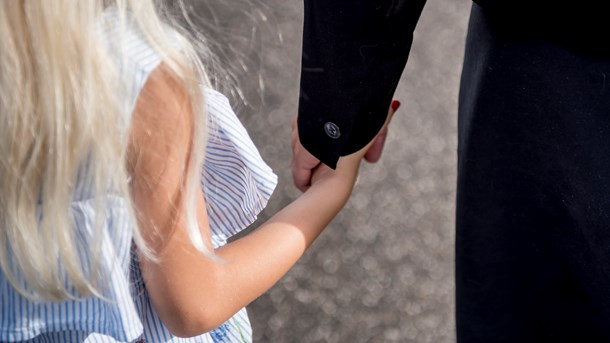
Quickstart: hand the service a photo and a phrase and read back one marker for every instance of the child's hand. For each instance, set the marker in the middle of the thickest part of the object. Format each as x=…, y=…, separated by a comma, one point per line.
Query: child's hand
x=347, y=166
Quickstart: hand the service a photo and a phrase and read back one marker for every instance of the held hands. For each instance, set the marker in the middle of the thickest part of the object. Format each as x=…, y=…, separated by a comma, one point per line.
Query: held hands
x=307, y=169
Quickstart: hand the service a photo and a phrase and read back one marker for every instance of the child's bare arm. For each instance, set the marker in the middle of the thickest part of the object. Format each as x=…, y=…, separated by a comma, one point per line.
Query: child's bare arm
x=191, y=292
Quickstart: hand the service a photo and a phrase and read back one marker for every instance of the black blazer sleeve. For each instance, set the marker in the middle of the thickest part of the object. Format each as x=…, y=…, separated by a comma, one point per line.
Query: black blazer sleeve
x=354, y=52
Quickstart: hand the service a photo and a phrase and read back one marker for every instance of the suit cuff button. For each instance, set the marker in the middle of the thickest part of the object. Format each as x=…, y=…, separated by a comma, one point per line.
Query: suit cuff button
x=332, y=130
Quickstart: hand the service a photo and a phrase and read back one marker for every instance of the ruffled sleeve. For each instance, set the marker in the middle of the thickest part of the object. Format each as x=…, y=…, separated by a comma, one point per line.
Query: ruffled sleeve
x=237, y=183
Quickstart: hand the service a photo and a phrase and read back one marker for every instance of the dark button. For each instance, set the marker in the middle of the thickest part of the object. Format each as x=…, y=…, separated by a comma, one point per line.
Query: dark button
x=332, y=130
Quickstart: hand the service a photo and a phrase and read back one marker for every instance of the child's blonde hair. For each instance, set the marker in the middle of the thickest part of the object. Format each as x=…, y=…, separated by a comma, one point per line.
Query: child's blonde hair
x=58, y=113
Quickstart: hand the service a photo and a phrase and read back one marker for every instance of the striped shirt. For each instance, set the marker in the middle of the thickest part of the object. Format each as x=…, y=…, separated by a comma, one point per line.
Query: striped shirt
x=237, y=185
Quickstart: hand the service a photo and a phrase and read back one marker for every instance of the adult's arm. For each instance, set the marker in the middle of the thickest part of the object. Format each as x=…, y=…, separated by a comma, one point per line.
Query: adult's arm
x=354, y=52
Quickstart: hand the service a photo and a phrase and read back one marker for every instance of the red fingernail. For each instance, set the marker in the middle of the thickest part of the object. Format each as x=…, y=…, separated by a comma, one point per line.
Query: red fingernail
x=395, y=105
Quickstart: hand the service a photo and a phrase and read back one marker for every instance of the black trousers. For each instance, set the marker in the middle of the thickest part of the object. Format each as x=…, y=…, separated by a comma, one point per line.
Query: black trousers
x=533, y=195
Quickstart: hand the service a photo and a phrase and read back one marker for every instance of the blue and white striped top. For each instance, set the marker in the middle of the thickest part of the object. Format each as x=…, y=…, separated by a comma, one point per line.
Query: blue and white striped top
x=237, y=185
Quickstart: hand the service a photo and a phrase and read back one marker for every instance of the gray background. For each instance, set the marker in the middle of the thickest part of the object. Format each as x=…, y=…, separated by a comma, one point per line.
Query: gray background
x=383, y=270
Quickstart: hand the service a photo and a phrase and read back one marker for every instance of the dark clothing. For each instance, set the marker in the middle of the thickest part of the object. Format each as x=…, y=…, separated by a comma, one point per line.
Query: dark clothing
x=353, y=55
x=354, y=52
x=533, y=196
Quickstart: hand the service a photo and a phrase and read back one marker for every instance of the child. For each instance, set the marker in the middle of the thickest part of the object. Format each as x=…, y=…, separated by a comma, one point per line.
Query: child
x=106, y=234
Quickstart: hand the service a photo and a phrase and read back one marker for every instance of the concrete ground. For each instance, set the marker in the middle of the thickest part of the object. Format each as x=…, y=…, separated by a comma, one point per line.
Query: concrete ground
x=383, y=270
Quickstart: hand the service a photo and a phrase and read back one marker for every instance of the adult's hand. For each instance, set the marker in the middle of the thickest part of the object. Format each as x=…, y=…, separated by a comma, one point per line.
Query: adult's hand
x=304, y=163
x=374, y=153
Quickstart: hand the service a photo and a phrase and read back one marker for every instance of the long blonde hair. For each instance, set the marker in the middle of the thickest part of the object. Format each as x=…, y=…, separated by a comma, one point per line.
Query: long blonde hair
x=59, y=112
